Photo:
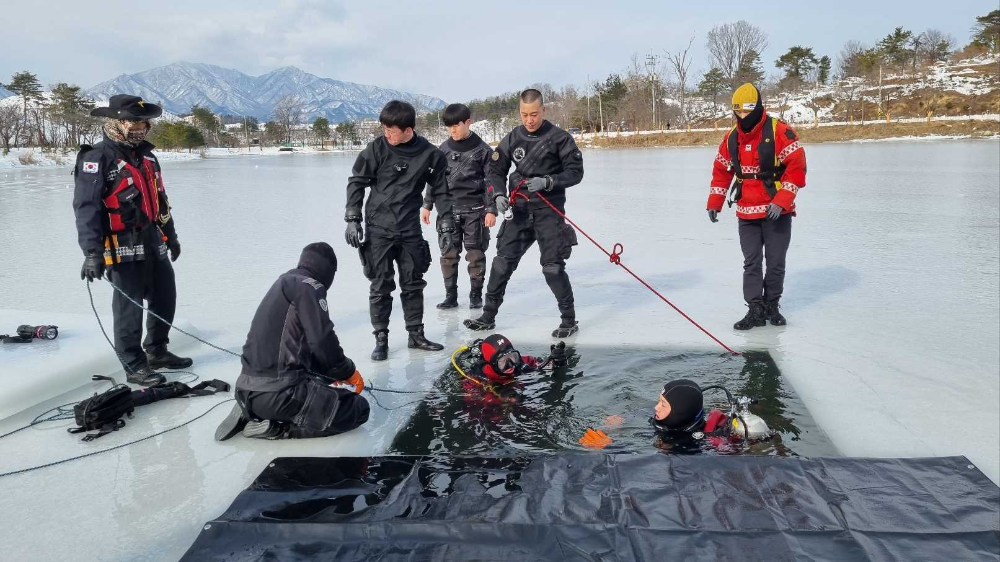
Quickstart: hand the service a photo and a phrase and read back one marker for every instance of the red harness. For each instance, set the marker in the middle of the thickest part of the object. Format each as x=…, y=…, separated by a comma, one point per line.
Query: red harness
x=138, y=188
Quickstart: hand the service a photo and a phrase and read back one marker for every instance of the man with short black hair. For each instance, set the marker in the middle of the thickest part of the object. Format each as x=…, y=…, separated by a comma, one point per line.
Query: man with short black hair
x=468, y=158
x=547, y=162
x=396, y=167
x=125, y=225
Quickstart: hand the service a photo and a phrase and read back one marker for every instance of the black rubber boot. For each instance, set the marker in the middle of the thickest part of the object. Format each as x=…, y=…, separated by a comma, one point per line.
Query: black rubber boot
x=233, y=424
x=756, y=317
x=484, y=322
x=476, y=298
x=266, y=429
x=418, y=341
x=144, y=376
x=450, y=298
x=381, y=351
x=566, y=329
x=160, y=358
x=774, y=314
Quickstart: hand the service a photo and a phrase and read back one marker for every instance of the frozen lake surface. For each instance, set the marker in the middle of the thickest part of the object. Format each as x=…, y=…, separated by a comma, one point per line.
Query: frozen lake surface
x=892, y=299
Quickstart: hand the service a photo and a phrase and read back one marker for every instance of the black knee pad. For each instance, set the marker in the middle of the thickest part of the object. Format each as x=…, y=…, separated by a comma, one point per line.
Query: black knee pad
x=553, y=269
x=501, y=266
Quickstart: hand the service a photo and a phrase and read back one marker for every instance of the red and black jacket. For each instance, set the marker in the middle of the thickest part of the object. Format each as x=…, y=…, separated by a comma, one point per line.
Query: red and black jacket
x=119, y=189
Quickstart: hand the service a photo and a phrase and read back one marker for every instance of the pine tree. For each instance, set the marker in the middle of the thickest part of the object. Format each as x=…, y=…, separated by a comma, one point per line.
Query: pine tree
x=823, y=70
x=321, y=128
x=712, y=84
x=894, y=46
x=797, y=62
x=26, y=85
x=751, y=70
x=986, y=31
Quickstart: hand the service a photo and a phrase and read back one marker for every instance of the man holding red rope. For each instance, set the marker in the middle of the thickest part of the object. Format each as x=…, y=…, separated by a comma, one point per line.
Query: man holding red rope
x=546, y=160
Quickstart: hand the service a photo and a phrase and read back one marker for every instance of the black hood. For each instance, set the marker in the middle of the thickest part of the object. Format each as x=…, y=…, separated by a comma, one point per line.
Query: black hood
x=319, y=260
x=750, y=121
x=686, y=404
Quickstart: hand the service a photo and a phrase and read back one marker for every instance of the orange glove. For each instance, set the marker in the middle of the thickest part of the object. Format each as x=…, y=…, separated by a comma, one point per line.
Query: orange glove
x=357, y=381
x=595, y=439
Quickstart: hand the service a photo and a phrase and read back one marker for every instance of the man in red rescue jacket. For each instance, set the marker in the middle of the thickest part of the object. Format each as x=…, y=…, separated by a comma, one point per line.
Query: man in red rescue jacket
x=763, y=165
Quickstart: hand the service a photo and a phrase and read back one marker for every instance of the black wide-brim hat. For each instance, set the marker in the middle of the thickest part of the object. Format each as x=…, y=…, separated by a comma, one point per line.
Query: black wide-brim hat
x=132, y=108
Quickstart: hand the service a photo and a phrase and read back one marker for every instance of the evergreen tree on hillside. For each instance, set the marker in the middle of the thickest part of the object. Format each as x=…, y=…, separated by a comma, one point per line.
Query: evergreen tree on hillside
x=986, y=32
x=895, y=47
x=823, y=70
x=26, y=85
x=797, y=62
x=751, y=69
x=712, y=84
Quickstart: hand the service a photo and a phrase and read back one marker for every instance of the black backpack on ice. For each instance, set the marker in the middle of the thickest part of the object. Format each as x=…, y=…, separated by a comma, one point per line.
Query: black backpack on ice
x=103, y=412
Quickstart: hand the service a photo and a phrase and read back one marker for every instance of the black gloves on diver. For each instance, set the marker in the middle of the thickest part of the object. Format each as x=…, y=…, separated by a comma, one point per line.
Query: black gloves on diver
x=93, y=265
x=354, y=235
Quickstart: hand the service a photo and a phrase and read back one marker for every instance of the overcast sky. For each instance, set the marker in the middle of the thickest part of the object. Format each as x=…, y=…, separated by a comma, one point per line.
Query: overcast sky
x=453, y=50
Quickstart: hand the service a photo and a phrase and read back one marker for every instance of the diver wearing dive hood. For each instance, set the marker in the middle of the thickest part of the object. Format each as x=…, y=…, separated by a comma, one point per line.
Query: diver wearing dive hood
x=490, y=365
x=291, y=358
x=761, y=162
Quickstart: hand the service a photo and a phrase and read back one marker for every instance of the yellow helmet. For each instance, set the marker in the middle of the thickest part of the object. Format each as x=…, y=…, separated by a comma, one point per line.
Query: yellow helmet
x=746, y=98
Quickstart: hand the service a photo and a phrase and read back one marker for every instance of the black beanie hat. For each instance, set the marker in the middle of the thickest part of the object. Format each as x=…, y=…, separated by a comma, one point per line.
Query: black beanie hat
x=320, y=261
x=686, y=403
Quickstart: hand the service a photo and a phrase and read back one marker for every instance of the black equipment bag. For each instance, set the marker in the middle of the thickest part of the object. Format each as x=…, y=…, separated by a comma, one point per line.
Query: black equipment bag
x=103, y=412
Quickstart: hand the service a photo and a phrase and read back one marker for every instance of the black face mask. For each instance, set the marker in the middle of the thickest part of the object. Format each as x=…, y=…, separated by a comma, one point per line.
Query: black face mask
x=750, y=121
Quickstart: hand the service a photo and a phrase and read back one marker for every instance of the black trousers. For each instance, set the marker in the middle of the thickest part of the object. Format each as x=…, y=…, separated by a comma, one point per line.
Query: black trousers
x=555, y=242
x=472, y=234
x=763, y=240
x=150, y=280
x=380, y=254
x=311, y=408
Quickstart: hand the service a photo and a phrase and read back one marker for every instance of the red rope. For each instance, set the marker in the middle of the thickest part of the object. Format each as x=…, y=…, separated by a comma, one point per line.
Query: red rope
x=615, y=257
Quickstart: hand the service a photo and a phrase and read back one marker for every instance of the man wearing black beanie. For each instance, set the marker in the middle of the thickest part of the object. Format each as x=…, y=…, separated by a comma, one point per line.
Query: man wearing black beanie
x=292, y=357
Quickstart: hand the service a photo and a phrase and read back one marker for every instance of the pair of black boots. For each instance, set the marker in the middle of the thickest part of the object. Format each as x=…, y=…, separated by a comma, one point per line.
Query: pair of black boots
x=416, y=340
x=156, y=358
x=759, y=314
x=451, y=298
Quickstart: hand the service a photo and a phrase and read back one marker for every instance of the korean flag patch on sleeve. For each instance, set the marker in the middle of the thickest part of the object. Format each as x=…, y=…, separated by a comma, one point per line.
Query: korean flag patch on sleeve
x=90, y=167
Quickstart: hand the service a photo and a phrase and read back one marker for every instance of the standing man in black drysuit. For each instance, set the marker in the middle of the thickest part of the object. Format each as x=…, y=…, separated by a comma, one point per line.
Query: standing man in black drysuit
x=546, y=161
x=468, y=158
x=396, y=166
x=291, y=358
x=124, y=224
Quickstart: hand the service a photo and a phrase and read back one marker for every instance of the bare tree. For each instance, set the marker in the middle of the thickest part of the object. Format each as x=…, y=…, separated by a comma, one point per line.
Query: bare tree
x=730, y=42
x=848, y=91
x=680, y=65
x=287, y=113
x=10, y=124
x=847, y=61
x=938, y=45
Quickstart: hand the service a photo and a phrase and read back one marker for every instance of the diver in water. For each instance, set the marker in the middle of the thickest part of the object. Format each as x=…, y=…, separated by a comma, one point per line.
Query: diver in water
x=679, y=417
x=490, y=368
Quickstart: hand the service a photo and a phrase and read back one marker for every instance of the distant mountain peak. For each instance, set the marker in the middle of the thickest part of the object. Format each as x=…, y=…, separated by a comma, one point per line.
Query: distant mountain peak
x=182, y=84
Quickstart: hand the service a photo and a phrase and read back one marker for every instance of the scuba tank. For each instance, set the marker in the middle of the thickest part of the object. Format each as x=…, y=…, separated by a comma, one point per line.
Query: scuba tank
x=747, y=424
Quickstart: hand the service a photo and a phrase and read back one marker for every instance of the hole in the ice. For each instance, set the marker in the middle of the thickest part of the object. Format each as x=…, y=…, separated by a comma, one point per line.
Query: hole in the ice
x=608, y=388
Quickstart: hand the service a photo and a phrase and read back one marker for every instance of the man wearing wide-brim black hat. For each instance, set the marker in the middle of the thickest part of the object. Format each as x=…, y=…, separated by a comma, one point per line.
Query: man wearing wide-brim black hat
x=125, y=227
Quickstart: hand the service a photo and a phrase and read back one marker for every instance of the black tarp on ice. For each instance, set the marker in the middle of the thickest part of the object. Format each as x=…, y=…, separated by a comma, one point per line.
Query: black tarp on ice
x=609, y=507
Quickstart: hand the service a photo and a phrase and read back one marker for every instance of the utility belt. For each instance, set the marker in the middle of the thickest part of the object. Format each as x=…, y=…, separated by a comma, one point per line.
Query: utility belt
x=130, y=245
x=768, y=179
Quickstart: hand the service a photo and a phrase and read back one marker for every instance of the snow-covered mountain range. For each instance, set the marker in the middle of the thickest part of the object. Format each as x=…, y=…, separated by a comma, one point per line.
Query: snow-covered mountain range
x=181, y=85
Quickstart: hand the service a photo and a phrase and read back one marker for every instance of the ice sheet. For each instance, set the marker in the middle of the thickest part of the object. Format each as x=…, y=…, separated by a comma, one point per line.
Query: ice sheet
x=891, y=297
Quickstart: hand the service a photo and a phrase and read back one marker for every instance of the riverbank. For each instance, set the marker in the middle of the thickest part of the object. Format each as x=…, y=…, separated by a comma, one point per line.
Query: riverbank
x=47, y=158
x=873, y=131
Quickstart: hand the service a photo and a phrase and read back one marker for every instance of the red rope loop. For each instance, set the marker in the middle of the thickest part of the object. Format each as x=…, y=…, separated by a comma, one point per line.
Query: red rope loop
x=616, y=253
x=615, y=257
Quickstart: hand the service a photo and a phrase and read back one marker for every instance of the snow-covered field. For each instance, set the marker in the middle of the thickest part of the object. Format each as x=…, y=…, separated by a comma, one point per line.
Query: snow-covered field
x=892, y=297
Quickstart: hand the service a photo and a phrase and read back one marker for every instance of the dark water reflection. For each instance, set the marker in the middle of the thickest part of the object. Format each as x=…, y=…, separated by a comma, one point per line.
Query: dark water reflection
x=549, y=411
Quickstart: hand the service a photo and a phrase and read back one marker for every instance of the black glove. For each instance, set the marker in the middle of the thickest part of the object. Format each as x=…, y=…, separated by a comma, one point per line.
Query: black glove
x=93, y=265
x=539, y=184
x=446, y=229
x=355, y=235
x=713, y=215
x=175, y=249
x=774, y=211
x=502, y=204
